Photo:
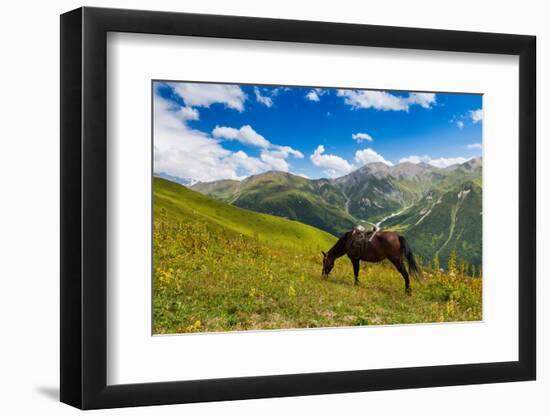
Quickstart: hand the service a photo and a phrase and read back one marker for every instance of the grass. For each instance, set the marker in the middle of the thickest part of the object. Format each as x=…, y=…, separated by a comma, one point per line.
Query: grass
x=221, y=268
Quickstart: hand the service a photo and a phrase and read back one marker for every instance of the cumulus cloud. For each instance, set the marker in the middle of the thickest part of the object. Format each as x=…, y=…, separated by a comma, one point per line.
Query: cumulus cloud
x=445, y=162
x=285, y=151
x=474, y=146
x=278, y=164
x=438, y=162
x=248, y=136
x=275, y=91
x=184, y=152
x=368, y=155
x=240, y=159
x=472, y=116
x=265, y=100
x=415, y=159
x=312, y=96
x=245, y=135
x=425, y=100
x=360, y=137
x=381, y=100
x=334, y=165
x=476, y=115
x=204, y=95
x=189, y=113
x=315, y=94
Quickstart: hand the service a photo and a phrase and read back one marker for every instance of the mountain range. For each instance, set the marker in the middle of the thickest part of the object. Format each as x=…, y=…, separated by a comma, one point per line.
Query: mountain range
x=437, y=209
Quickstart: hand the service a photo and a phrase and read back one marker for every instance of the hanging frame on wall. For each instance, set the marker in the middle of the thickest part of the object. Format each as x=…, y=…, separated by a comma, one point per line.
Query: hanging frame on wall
x=130, y=79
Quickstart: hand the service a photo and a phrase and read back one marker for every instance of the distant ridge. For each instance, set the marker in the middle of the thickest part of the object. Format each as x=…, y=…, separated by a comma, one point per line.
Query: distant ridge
x=369, y=194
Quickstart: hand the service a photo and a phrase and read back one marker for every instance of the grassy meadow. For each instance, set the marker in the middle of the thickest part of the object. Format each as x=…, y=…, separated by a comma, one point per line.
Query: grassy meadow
x=218, y=267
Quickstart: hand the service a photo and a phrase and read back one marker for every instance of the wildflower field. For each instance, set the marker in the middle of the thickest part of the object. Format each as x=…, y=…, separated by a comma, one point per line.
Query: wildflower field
x=222, y=268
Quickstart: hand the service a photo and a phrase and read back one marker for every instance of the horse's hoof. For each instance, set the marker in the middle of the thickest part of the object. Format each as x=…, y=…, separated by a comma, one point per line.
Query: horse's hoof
x=408, y=291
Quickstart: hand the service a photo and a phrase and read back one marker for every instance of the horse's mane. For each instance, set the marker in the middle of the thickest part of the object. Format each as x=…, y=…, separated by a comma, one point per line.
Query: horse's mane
x=339, y=247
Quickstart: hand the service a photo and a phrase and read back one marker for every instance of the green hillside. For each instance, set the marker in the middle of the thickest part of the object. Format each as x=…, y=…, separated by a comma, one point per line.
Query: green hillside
x=176, y=200
x=317, y=203
x=442, y=222
x=218, y=267
x=222, y=190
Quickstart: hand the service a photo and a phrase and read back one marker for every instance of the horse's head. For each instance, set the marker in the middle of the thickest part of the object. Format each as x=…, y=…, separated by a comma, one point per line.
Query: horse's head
x=328, y=264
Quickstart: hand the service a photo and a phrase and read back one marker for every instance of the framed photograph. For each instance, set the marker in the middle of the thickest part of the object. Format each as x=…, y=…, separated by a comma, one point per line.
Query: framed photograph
x=257, y=208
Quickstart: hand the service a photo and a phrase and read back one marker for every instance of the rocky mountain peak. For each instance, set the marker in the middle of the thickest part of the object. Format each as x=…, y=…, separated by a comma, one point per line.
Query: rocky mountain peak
x=408, y=170
x=474, y=163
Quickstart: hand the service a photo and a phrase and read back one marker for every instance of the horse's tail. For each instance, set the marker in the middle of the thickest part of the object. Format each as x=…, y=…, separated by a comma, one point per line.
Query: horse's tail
x=407, y=253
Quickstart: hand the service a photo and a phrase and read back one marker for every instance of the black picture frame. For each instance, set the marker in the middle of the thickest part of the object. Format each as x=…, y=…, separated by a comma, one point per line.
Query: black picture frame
x=84, y=207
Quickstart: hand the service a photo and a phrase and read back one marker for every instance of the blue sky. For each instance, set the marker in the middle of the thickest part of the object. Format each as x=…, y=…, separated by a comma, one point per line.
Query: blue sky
x=207, y=132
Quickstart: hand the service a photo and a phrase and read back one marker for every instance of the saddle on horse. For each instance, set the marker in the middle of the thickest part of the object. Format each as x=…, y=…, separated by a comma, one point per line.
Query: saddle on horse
x=361, y=232
x=362, y=236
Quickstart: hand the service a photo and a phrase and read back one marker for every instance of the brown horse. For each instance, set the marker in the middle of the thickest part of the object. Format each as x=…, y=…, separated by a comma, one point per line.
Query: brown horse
x=359, y=246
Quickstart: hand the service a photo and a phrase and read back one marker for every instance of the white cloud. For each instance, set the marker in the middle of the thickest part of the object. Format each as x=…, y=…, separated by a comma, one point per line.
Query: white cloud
x=189, y=113
x=415, y=159
x=274, y=92
x=368, y=155
x=334, y=165
x=474, y=146
x=333, y=173
x=312, y=96
x=275, y=163
x=265, y=100
x=285, y=151
x=425, y=100
x=476, y=115
x=439, y=162
x=473, y=116
x=250, y=164
x=360, y=137
x=187, y=153
x=183, y=152
x=315, y=94
x=381, y=100
x=204, y=95
x=168, y=115
x=445, y=162
x=245, y=135
x=274, y=154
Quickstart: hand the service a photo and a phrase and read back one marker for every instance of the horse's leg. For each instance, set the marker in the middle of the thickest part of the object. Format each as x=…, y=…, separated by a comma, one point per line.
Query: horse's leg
x=400, y=266
x=355, y=263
